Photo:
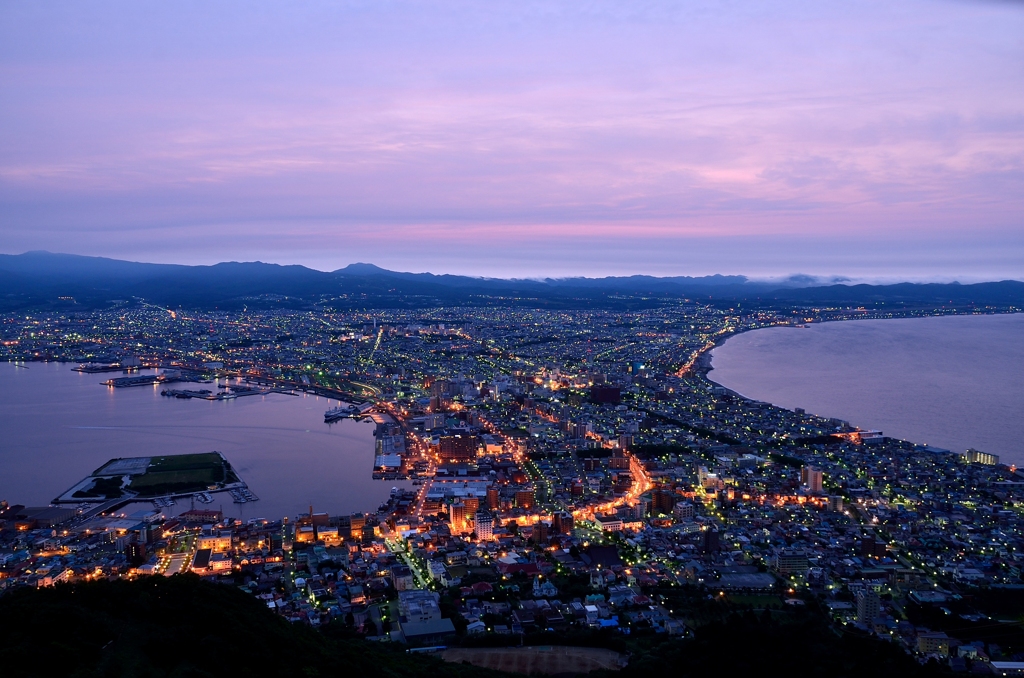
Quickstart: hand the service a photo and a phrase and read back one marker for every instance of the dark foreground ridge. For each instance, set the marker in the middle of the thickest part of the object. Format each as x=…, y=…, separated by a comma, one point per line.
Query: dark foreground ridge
x=181, y=626
x=47, y=281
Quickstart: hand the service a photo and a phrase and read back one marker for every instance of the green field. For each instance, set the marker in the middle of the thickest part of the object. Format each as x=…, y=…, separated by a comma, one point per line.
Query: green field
x=156, y=476
x=179, y=473
x=182, y=462
x=198, y=476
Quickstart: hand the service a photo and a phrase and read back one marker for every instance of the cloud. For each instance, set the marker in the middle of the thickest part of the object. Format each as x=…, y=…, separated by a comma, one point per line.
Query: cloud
x=471, y=124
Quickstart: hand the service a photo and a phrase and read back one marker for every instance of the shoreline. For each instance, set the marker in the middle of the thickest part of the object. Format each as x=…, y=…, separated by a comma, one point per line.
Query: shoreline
x=704, y=366
x=259, y=439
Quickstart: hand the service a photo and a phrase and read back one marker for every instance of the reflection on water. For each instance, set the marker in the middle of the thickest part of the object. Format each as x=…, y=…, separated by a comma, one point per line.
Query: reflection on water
x=58, y=426
x=954, y=382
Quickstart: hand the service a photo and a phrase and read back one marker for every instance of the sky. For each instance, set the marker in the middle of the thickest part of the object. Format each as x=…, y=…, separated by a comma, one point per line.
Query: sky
x=871, y=139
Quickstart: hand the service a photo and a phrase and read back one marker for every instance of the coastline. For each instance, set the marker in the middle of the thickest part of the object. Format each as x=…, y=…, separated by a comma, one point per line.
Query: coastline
x=259, y=439
x=702, y=362
x=931, y=419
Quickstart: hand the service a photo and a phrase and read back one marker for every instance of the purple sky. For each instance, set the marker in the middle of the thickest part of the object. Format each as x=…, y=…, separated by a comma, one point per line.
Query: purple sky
x=871, y=139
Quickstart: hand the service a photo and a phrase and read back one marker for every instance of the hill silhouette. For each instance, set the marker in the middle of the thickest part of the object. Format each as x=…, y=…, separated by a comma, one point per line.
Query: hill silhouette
x=44, y=280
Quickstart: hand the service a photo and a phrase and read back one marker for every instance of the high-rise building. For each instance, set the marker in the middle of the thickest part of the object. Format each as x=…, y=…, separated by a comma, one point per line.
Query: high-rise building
x=811, y=477
x=871, y=547
x=562, y=522
x=135, y=552
x=835, y=503
x=484, y=526
x=493, y=497
x=524, y=498
x=541, y=532
x=710, y=541
x=663, y=501
x=457, y=448
x=457, y=516
x=869, y=606
x=619, y=459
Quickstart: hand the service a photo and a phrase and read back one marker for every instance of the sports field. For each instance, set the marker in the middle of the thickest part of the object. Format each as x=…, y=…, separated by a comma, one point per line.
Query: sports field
x=155, y=476
x=179, y=473
x=541, y=660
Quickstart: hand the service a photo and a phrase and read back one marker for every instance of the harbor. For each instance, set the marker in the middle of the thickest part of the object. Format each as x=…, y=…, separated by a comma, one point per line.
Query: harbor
x=280, y=446
x=229, y=393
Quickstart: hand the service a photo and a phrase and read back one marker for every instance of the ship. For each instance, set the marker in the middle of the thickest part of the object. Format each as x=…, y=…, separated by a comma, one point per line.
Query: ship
x=339, y=413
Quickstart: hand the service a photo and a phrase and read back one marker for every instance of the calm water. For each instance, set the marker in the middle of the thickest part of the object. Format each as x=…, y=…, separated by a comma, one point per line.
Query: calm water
x=954, y=382
x=57, y=426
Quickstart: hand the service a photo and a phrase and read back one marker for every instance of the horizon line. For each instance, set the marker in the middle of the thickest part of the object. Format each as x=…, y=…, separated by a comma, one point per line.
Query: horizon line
x=793, y=279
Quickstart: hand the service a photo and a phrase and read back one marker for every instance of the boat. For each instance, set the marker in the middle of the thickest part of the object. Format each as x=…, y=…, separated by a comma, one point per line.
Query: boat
x=339, y=413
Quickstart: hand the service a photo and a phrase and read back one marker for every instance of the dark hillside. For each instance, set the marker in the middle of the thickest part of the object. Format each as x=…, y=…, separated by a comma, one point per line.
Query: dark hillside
x=181, y=626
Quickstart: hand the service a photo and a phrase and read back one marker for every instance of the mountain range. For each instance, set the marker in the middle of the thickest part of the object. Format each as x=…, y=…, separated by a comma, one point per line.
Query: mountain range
x=45, y=280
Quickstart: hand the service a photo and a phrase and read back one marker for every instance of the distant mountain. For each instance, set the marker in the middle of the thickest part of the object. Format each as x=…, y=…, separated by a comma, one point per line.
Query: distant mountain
x=41, y=280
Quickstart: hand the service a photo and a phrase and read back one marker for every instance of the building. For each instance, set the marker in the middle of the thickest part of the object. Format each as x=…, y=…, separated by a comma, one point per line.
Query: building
x=972, y=456
x=201, y=561
x=305, y=534
x=401, y=578
x=683, y=511
x=525, y=498
x=871, y=548
x=619, y=461
x=542, y=532
x=790, y=561
x=811, y=477
x=457, y=516
x=869, y=606
x=710, y=541
x=493, y=498
x=135, y=552
x=201, y=516
x=328, y=535
x=936, y=643
x=351, y=527
x=663, y=501
x=562, y=522
x=457, y=448
x=46, y=516
x=835, y=503
x=483, y=524
x=418, y=605
x=609, y=523
x=430, y=632
x=218, y=543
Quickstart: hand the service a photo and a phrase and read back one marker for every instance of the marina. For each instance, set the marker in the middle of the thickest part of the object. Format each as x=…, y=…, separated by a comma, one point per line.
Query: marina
x=347, y=412
x=229, y=392
x=242, y=495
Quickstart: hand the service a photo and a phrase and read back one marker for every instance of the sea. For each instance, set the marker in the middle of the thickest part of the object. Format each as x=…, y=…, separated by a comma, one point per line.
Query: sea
x=57, y=426
x=954, y=382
